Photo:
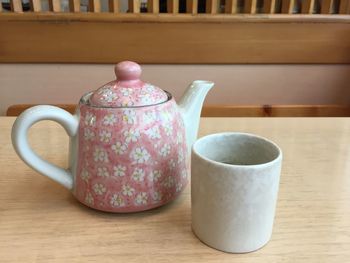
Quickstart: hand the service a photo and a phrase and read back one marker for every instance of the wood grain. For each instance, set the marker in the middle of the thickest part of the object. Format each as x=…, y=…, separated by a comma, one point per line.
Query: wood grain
x=307, y=7
x=250, y=6
x=192, y=6
x=35, y=5
x=344, y=7
x=326, y=6
x=74, y=6
x=287, y=6
x=95, y=6
x=231, y=7
x=42, y=222
x=269, y=6
x=238, y=111
x=134, y=6
x=153, y=6
x=113, y=6
x=212, y=6
x=176, y=39
x=173, y=6
x=55, y=5
x=16, y=6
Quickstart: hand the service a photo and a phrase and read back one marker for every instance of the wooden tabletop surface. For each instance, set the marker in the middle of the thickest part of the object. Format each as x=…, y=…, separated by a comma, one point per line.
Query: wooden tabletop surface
x=40, y=221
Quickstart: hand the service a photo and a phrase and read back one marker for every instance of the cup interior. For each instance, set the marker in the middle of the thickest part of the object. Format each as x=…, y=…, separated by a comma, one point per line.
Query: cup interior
x=236, y=149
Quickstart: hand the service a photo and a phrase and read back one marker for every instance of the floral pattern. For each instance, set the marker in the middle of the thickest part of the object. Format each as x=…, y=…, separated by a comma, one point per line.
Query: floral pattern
x=117, y=200
x=165, y=151
x=100, y=155
x=131, y=135
x=90, y=119
x=119, y=148
x=105, y=136
x=140, y=155
x=119, y=170
x=89, y=199
x=128, y=190
x=88, y=134
x=129, y=116
x=102, y=172
x=99, y=189
x=138, y=175
x=155, y=175
x=153, y=133
x=109, y=119
x=130, y=159
x=85, y=175
x=119, y=95
x=141, y=198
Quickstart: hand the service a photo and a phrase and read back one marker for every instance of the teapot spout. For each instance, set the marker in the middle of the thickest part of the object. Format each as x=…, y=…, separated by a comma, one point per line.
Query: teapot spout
x=190, y=107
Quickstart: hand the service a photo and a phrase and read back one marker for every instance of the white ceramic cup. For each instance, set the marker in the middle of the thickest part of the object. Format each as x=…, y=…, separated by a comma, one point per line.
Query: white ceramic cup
x=234, y=184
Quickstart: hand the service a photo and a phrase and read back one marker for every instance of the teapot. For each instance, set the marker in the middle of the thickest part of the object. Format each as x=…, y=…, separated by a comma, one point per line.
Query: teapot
x=129, y=142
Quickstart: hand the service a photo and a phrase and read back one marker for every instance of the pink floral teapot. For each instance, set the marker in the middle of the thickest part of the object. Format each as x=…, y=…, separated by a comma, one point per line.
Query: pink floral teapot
x=129, y=142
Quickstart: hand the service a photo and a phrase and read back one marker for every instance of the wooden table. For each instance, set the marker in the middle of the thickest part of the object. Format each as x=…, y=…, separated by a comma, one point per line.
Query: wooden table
x=40, y=221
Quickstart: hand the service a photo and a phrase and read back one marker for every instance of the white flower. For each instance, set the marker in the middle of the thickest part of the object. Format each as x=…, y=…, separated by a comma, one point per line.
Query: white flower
x=146, y=99
x=105, y=136
x=119, y=148
x=90, y=119
x=88, y=134
x=85, y=175
x=129, y=116
x=127, y=103
x=104, y=89
x=100, y=155
x=179, y=138
x=119, y=170
x=149, y=88
x=180, y=157
x=141, y=198
x=167, y=116
x=138, y=175
x=109, y=96
x=131, y=135
x=140, y=155
x=153, y=133
x=157, y=196
x=126, y=91
x=117, y=201
x=168, y=128
x=109, y=119
x=99, y=189
x=102, y=171
x=165, y=150
x=178, y=187
x=169, y=182
x=149, y=117
x=89, y=199
x=172, y=164
x=184, y=174
x=128, y=190
x=155, y=175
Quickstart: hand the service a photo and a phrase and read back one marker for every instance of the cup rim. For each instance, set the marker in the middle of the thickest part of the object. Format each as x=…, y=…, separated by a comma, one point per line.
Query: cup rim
x=277, y=159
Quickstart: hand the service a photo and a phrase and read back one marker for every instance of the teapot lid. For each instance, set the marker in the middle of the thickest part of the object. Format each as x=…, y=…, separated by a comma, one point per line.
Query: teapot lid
x=127, y=90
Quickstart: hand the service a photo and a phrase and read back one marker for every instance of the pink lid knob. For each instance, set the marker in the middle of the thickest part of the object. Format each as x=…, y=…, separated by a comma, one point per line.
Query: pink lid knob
x=127, y=70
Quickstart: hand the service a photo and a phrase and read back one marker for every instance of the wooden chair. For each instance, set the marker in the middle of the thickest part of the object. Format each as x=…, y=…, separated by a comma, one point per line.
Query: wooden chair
x=264, y=32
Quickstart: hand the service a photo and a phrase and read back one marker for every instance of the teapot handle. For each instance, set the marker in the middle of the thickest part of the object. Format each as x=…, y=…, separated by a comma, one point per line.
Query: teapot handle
x=21, y=146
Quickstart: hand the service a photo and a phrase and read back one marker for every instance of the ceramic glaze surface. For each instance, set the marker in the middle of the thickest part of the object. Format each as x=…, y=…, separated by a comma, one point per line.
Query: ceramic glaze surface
x=129, y=142
x=128, y=90
x=234, y=187
x=130, y=159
